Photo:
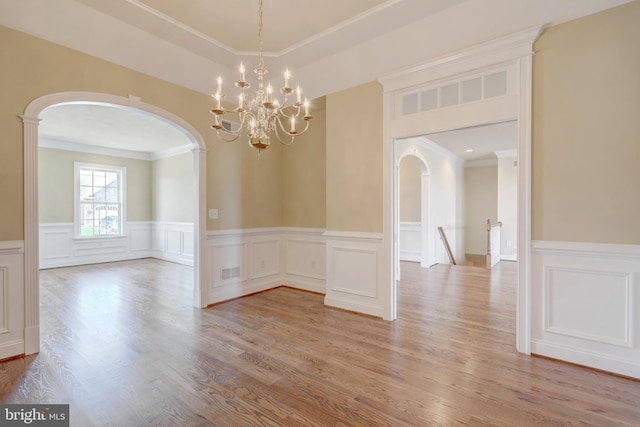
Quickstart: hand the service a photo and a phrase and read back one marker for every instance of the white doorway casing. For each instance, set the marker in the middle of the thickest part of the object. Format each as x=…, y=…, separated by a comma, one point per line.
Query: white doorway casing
x=512, y=55
x=31, y=120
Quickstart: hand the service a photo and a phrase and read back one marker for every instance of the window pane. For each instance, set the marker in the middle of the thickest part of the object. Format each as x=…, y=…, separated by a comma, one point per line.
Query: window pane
x=449, y=95
x=86, y=177
x=100, y=194
x=472, y=90
x=86, y=193
x=429, y=100
x=410, y=104
x=99, y=179
x=495, y=84
x=111, y=194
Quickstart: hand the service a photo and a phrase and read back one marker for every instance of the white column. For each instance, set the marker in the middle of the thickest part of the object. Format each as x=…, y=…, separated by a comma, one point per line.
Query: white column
x=31, y=271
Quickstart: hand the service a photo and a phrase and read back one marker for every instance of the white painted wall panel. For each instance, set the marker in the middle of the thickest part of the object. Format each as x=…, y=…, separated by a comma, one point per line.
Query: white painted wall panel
x=163, y=240
x=354, y=274
x=306, y=258
x=354, y=271
x=248, y=261
x=12, y=324
x=173, y=242
x=587, y=298
x=410, y=241
x=588, y=304
x=265, y=258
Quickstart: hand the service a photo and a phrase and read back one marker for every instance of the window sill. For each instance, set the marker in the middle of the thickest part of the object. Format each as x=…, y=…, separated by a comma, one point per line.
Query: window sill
x=97, y=238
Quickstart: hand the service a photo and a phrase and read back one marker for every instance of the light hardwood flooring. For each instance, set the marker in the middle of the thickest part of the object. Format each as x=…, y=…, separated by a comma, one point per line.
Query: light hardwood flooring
x=123, y=346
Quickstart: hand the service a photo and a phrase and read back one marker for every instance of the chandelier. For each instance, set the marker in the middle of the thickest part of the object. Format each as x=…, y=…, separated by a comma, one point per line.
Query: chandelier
x=261, y=113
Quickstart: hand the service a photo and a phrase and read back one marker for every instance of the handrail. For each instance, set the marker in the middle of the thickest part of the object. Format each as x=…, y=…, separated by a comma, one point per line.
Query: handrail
x=443, y=237
x=489, y=227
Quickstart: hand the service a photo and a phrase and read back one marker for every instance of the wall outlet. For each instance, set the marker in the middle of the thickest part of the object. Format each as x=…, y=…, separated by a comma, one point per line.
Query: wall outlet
x=213, y=213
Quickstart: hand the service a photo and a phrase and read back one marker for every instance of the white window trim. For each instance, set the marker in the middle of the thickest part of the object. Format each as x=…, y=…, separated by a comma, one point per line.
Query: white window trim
x=76, y=199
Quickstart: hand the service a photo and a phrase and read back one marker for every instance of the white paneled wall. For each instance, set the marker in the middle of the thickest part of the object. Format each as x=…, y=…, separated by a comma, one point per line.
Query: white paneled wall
x=173, y=241
x=11, y=297
x=163, y=240
x=355, y=277
x=410, y=241
x=248, y=261
x=589, y=296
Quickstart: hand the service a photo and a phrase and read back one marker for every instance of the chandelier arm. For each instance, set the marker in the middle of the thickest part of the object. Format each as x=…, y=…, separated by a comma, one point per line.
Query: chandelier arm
x=235, y=138
x=287, y=143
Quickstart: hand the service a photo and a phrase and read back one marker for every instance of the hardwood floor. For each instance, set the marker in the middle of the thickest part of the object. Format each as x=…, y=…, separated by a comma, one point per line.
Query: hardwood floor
x=123, y=346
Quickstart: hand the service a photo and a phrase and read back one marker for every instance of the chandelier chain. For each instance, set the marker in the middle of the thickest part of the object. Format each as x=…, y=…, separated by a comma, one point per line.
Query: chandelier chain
x=260, y=59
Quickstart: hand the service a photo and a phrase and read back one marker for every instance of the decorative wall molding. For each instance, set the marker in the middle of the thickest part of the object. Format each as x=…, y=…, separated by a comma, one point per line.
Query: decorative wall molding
x=355, y=274
x=589, y=294
x=169, y=241
x=12, y=339
x=253, y=260
x=410, y=241
x=9, y=247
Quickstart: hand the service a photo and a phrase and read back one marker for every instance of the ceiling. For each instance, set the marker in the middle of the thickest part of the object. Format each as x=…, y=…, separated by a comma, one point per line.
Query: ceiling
x=329, y=45
x=125, y=131
x=484, y=141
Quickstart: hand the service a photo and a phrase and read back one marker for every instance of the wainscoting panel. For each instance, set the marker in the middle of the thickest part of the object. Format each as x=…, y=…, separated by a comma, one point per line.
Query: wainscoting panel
x=354, y=278
x=230, y=256
x=306, y=256
x=173, y=241
x=410, y=241
x=253, y=260
x=169, y=241
x=12, y=325
x=265, y=257
x=59, y=247
x=586, y=299
x=55, y=243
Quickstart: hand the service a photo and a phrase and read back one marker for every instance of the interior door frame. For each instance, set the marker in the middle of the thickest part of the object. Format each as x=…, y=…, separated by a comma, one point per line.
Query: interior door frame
x=31, y=120
x=516, y=49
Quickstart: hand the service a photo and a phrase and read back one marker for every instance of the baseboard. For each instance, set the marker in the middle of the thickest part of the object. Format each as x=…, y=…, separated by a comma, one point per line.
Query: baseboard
x=356, y=307
x=11, y=349
x=172, y=258
x=32, y=340
x=605, y=362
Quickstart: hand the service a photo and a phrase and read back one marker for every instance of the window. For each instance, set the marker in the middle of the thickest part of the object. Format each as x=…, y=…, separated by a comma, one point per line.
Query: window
x=99, y=199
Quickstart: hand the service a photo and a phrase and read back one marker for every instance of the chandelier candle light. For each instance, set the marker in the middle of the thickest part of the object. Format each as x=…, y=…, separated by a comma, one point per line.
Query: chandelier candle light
x=261, y=113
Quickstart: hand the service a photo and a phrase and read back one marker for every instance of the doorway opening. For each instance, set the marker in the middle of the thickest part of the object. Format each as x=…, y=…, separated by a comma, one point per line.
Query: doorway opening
x=484, y=84
x=471, y=178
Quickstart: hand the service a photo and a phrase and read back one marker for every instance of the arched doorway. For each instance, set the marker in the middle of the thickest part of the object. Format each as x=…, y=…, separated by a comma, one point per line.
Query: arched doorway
x=31, y=120
x=410, y=151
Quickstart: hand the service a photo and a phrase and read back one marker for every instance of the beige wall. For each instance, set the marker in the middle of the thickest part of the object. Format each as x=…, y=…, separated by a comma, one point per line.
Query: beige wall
x=481, y=203
x=55, y=184
x=172, y=188
x=410, y=189
x=247, y=192
x=304, y=176
x=354, y=159
x=586, y=129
